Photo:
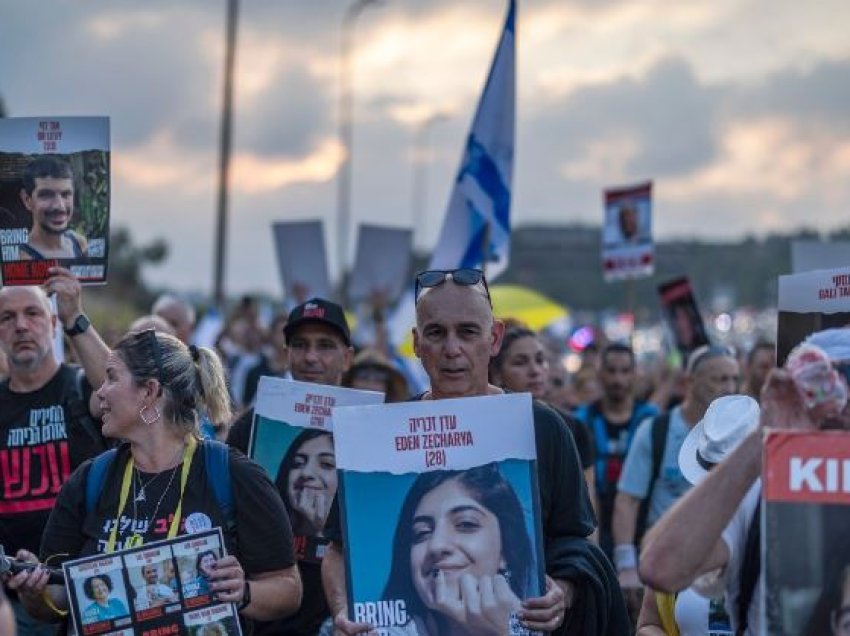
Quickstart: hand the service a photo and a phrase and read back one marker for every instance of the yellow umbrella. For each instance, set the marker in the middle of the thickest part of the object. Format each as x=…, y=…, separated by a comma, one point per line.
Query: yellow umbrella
x=514, y=301
x=526, y=305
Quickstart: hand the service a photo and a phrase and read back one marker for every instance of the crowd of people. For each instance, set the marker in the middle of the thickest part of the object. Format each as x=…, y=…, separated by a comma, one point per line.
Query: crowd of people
x=626, y=465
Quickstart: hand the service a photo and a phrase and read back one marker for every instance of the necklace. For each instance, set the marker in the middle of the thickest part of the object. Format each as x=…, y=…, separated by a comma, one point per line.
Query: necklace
x=136, y=539
x=137, y=474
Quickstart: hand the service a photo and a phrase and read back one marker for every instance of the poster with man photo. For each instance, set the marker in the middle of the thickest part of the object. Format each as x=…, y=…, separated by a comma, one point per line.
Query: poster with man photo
x=682, y=315
x=291, y=438
x=153, y=581
x=457, y=522
x=627, y=248
x=162, y=587
x=810, y=302
x=807, y=504
x=54, y=198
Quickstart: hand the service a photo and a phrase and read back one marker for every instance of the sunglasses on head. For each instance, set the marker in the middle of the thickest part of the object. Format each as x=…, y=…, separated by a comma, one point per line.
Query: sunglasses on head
x=466, y=276
x=148, y=337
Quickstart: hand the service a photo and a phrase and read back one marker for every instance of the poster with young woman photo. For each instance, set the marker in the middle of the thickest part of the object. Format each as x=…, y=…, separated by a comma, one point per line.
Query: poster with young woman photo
x=291, y=438
x=453, y=544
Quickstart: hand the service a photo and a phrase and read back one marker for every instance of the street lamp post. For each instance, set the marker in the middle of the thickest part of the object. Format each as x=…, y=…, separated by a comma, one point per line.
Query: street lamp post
x=224, y=153
x=346, y=116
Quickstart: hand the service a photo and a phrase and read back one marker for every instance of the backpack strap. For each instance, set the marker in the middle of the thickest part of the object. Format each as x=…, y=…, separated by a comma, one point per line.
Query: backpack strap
x=97, y=477
x=660, y=427
x=750, y=569
x=217, y=463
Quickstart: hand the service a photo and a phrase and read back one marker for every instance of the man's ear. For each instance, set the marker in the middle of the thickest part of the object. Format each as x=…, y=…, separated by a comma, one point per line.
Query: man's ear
x=26, y=199
x=416, y=342
x=347, y=359
x=497, y=332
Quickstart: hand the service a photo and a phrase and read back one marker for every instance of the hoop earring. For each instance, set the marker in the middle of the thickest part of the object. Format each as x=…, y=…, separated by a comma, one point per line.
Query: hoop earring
x=149, y=420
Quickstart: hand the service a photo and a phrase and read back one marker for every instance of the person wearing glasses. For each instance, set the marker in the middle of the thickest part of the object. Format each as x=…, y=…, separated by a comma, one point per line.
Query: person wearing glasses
x=455, y=336
x=711, y=372
x=46, y=426
x=156, y=486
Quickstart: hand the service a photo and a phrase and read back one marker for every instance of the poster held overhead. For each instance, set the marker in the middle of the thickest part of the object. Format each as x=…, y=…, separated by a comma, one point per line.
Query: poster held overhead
x=302, y=260
x=682, y=315
x=382, y=263
x=627, y=248
x=54, y=198
x=466, y=463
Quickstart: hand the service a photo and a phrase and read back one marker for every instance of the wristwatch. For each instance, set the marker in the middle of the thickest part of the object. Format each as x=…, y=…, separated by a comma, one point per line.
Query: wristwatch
x=81, y=324
x=246, y=597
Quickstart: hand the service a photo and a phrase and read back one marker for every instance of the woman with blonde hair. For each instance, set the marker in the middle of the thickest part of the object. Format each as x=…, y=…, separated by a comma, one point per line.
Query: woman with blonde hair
x=156, y=486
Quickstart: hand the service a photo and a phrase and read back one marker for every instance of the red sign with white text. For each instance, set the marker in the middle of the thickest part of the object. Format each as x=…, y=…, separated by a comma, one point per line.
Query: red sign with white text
x=807, y=467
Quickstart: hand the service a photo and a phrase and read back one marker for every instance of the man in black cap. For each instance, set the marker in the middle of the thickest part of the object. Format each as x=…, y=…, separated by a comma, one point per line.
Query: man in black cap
x=320, y=352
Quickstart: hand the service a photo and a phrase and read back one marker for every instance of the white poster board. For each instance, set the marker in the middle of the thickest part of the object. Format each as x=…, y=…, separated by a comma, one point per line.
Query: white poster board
x=382, y=263
x=302, y=260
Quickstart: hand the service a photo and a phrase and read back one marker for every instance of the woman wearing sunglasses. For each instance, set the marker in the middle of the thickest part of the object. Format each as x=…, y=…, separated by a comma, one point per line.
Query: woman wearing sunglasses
x=522, y=366
x=156, y=487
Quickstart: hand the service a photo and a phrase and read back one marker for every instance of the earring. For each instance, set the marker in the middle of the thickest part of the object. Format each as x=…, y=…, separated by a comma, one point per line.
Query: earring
x=149, y=420
x=505, y=572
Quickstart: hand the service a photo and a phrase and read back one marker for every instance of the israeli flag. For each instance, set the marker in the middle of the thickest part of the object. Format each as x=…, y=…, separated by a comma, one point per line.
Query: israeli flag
x=477, y=229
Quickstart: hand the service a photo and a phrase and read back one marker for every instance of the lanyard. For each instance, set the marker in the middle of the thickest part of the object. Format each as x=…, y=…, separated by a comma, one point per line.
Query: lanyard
x=137, y=540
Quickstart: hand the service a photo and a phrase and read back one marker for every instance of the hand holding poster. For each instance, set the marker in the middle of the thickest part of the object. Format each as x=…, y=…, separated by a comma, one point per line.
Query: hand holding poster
x=159, y=588
x=54, y=197
x=457, y=525
x=627, y=248
x=291, y=438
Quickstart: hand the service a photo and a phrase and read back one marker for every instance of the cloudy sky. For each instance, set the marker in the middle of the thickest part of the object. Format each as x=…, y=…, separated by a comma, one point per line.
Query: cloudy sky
x=738, y=109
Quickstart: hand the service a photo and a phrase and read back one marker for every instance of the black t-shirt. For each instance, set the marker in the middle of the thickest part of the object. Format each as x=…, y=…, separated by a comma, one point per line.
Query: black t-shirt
x=314, y=607
x=40, y=445
x=582, y=438
x=263, y=535
x=564, y=503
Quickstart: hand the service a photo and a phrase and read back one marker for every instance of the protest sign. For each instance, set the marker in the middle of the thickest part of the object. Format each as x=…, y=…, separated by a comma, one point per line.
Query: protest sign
x=805, y=543
x=159, y=588
x=682, y=315
x=810, y=302
x=302, y=260
x=54, y=198
x=809, y=255
x=291, y=438
x=462, y=468
x=382, y=263
x=627, y=248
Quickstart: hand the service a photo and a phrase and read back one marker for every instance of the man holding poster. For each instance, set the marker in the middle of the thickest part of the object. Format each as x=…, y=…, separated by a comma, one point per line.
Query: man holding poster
x=455, y=337
x=319, y=343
